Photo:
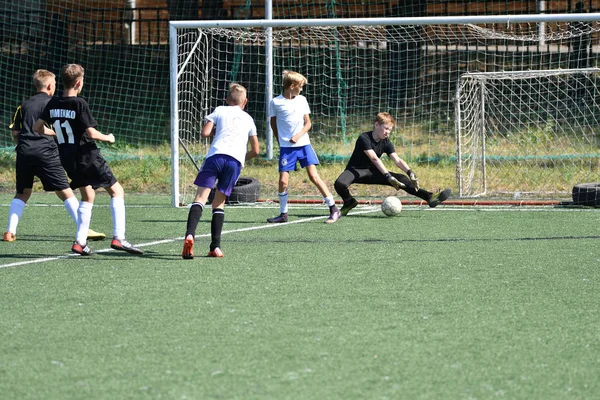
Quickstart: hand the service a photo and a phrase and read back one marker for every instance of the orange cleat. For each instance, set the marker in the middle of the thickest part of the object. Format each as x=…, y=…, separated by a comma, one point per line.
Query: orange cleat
x=9, y=237
x=188, y=248
x=124, y=245
x=217, y=252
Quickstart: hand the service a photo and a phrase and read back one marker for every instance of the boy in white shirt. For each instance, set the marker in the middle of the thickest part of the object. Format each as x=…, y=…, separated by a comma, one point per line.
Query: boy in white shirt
x=223, y=165
x=290, y=121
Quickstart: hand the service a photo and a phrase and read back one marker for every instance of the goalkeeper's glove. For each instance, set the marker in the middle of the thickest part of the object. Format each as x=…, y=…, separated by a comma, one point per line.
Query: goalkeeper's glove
x=413, y=179
x=394, y=182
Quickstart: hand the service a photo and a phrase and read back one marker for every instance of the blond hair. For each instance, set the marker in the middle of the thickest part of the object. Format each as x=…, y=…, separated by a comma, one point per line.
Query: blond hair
x=42, y=78
x=293, y=78
x=70, y=74
x=384, y=118
x=237, y=94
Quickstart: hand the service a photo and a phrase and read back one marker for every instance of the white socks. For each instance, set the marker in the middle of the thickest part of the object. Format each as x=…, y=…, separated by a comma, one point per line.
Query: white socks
x=117, y=209
x=72, y=204
x=283, y=202
x=329, y=201
x=17, y=206
x=14, y=215
x=85, y=216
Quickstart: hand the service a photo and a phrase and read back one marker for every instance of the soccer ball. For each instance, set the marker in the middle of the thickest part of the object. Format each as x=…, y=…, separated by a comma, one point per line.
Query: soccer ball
x=391, y=206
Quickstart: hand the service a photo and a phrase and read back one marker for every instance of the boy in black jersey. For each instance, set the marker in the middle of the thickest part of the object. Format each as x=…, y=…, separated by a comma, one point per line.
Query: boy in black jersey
x=76, y=134
x=37, y=155
x=366, y=167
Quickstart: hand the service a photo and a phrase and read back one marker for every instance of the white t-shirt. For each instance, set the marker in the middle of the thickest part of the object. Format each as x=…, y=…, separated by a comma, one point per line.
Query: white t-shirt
x=290, y=119
x=234, y=127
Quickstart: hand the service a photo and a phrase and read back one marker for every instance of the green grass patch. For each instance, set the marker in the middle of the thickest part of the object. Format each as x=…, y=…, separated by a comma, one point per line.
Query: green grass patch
x=433, y=304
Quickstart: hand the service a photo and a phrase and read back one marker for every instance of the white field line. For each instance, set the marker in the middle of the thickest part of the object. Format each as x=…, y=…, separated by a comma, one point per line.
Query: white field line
x=164, y=241
x=370, y=209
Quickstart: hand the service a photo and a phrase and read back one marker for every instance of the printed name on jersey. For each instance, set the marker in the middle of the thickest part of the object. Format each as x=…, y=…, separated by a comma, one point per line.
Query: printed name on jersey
x=61, y=113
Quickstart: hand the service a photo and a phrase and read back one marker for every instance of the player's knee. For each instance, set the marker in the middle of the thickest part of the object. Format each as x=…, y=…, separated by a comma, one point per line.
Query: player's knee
x=116, y=190
x=283, y=185
x=24, y=197
x=339, y=186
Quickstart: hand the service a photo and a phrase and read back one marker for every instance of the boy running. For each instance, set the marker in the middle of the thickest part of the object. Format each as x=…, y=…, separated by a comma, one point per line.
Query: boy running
x=76, y=134
x=290, y=122
x=223, y=165
x=365, y=166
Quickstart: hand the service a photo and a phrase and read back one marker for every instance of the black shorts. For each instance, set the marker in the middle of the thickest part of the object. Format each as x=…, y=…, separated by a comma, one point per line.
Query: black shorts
x=48, y=169
x=97, y=175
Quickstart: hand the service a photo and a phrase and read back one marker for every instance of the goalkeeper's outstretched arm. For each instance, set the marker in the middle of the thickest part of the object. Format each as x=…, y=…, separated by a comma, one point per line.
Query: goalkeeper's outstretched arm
x=400, y=163
x=381, y=167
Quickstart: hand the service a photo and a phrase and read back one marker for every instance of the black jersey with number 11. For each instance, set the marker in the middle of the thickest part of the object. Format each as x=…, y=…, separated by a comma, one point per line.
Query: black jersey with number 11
x=69, y=117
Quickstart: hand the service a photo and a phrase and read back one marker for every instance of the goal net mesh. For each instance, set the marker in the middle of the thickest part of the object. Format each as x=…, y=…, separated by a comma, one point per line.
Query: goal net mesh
x=526, y=132
x=541, y=126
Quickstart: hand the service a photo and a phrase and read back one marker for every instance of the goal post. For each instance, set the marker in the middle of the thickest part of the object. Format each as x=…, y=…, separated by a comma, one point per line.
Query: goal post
x=418, y=69
x=512, y=124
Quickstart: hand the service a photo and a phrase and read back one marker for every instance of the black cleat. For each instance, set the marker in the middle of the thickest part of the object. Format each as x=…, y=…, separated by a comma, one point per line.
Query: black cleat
x=347, y=207
x=439, y=198
x=283, y=217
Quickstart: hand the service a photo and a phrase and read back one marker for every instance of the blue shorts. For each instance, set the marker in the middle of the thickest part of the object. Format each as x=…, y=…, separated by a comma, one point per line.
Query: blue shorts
x=289, y=156
x=222, y=169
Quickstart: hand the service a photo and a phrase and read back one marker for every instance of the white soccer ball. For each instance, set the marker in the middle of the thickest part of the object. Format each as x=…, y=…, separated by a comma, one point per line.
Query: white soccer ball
x=391, y=206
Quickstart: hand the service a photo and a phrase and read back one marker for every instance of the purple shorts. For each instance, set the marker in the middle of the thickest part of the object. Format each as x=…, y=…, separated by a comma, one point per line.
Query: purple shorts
x=289, y=156
x=220, y=168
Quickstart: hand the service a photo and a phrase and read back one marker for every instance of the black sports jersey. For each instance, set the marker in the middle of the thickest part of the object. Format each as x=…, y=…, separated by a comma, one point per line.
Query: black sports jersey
x=69, y=118
x=30, y=142
x=365, y=141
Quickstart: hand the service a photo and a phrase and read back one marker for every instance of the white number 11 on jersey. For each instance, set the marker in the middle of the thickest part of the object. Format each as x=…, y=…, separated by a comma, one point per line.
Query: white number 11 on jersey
x=58, y=128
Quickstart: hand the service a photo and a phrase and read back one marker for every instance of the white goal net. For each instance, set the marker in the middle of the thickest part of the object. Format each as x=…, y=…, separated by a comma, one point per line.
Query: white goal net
x=466, y=117
x=521, y=132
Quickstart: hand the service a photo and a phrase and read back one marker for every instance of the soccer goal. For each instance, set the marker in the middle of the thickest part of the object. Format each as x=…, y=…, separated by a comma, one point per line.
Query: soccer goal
x=499, y=105
x=516, y=129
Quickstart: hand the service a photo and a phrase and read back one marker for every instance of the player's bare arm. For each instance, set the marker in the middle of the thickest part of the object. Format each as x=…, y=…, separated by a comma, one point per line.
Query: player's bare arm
x=305, y=129
x=41, y=128
x=376, y=161
x=95, y=134
x=379, y=164
x=273, y=122
x=15, y=136
x=400, y=163
x=254, y=147
x=207, y=129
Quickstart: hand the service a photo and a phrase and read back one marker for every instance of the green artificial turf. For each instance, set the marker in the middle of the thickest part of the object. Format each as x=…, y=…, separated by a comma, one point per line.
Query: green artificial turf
x=450, y=303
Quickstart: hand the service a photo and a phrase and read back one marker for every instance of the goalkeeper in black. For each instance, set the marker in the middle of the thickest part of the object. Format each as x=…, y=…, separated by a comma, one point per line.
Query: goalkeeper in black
x=365, y=166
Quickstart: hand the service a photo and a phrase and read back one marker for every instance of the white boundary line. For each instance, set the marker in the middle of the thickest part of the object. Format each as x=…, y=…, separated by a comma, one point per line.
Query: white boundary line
x=252, y=228
x=371, y=209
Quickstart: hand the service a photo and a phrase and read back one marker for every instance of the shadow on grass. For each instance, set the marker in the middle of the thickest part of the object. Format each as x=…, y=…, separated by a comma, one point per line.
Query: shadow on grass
x=321, y=240
x=22, y=256
x=205, y=218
